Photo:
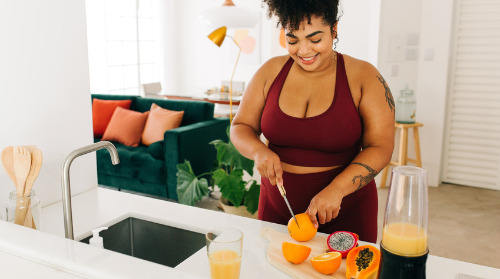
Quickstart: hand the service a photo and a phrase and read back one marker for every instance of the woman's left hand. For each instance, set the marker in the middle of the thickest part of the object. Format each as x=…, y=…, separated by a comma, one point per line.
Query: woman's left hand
x=326, y=204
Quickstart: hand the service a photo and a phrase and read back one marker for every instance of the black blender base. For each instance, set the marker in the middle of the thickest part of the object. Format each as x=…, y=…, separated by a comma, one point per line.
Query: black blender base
x=394, y=266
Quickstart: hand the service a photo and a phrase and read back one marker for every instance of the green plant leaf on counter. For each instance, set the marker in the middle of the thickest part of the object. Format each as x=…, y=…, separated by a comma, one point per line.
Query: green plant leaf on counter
x=231, y=186
x=189, y=188
x=230, y=156
x=251, y=197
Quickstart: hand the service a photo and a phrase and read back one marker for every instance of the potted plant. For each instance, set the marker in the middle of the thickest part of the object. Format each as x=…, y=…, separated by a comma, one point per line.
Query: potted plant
x=227, y=174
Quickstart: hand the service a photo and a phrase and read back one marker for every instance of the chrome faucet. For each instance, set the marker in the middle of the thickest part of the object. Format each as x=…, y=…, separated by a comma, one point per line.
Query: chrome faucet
x=66, y=192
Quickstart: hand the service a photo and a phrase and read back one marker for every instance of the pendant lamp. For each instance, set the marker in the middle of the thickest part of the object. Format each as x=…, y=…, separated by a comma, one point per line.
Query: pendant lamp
x=228, y=15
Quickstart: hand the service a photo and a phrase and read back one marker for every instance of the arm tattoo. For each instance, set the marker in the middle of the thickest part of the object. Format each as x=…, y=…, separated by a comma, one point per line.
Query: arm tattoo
x=363, y=180
x=388, y=94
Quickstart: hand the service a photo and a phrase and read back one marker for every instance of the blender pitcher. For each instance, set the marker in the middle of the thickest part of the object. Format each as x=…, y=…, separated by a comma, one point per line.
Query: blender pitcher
x=404, y=238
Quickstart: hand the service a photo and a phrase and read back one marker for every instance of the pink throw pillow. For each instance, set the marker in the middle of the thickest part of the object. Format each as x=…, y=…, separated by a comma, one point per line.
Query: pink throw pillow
x=126, y=127
x=159, y=121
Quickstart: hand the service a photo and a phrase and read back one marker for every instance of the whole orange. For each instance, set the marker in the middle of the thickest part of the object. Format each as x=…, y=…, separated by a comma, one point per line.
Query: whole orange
x=327, y=263
x=307, y=230
x=295, y=253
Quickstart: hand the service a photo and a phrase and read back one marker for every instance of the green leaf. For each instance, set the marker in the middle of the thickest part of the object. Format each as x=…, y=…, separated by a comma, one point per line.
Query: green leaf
x=231, y=186
x=230, y=156
x=189, y=188
x=251, y=197
x=217, y=165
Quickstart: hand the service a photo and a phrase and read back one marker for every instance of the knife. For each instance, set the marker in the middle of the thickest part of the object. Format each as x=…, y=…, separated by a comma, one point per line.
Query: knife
x=283, y=194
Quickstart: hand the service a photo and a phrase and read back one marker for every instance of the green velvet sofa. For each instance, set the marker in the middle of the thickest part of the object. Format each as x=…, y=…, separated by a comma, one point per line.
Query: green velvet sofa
x=153, y=170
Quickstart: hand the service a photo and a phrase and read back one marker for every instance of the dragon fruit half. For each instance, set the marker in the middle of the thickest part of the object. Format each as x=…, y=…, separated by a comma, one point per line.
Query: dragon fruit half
x=342, y=242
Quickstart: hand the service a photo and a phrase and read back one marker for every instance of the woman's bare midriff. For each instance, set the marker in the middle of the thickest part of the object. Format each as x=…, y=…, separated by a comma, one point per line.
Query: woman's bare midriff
x=303, y=170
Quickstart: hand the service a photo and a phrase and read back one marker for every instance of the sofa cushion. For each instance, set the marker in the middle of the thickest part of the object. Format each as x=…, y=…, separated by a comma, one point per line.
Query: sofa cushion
x=156, y=150
x=135, y=163
x=194, y=111
x=126, y=127
x=159, y=121
x=102, y=111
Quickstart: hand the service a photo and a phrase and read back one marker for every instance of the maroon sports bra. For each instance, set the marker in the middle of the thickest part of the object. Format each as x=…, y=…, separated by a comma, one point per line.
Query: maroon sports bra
x=332, y=138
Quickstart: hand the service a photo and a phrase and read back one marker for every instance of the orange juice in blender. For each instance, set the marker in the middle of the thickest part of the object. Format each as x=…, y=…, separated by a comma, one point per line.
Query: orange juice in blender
x=405, y=238
x=224, y=249
x=225, y=264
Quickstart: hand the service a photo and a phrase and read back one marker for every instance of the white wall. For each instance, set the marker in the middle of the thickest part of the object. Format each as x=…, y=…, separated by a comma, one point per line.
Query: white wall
x=44, y=91
x=432, y=83
x=431, y=21
x=358, y=29
x=171, y=51
x=96, y=37
x=398, y=19
x=199, y=64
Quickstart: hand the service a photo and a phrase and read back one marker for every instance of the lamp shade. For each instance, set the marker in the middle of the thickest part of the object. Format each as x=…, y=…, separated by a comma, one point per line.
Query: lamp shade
x=229, y=16
x=218, y=36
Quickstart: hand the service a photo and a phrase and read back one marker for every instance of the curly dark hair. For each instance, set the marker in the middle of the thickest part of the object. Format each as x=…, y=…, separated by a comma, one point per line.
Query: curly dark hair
x=292, y=12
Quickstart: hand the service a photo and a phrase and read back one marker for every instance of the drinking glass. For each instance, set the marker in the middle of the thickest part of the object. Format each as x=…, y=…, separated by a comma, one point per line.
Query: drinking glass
x=224, y=247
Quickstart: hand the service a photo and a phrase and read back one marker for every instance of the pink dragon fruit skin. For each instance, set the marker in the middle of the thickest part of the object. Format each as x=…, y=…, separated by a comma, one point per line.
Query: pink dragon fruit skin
x=342, y=242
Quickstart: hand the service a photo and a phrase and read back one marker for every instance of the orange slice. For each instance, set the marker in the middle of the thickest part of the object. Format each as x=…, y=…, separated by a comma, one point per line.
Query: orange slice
x=327, y=263
x=295, y=253
x=307, y=230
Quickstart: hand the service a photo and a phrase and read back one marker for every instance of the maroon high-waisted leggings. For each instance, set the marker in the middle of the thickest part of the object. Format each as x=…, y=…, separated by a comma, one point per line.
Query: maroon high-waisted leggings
x=358, y=213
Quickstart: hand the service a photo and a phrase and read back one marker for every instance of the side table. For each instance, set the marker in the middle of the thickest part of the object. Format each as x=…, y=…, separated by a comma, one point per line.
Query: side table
x=403, y=148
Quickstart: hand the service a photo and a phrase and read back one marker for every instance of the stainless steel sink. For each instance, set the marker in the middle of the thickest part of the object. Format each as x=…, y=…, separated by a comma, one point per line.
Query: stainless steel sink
x=151, y=241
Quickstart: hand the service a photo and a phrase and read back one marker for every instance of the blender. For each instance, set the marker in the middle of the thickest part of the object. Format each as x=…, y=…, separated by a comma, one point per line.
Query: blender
x=404, y=239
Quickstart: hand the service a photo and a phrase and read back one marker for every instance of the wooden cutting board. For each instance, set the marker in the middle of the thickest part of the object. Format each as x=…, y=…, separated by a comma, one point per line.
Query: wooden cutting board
x=303, y=270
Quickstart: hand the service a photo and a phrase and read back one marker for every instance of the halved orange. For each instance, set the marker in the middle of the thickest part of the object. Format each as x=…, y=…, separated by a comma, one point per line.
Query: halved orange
x=295, y=253
x=307, y=230
x=327, y=263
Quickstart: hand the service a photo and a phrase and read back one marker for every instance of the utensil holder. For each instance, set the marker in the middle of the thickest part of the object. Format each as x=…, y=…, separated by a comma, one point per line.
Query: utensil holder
x=24, y=210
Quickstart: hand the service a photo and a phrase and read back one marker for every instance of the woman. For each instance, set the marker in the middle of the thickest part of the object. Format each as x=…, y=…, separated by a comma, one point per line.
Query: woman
x=329, y=119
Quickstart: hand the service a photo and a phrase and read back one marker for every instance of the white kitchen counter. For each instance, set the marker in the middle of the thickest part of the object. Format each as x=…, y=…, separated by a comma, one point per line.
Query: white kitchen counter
x=48, y=254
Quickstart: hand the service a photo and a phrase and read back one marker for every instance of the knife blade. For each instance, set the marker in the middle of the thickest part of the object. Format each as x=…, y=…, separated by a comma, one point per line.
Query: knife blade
x=283, y=194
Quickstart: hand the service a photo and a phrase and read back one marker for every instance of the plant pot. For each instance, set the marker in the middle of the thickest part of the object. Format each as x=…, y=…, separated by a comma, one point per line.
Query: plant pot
x=231, y=209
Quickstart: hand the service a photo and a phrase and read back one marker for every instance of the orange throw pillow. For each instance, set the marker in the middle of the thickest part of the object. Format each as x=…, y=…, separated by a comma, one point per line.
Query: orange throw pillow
x=102, y=110
x=159, y=121
x=126, y=126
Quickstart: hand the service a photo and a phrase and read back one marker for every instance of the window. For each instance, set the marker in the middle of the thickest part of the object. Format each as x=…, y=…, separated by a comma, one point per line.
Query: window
x=124, y=45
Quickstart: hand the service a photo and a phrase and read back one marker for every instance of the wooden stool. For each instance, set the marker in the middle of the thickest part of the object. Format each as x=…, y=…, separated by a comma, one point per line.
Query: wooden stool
x=403, y=148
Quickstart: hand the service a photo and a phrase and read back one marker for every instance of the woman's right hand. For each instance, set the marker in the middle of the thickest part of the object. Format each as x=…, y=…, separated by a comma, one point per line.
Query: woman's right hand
x=269, y=165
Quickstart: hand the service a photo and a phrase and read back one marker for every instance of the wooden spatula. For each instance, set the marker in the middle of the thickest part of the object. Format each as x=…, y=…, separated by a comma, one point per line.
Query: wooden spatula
x=22, y=165
x=8, y=163
x=36, y=164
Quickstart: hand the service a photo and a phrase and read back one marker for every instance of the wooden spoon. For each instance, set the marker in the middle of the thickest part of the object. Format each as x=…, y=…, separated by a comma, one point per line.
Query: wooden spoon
x=36, y=164
x=8, y=163
x=22, y=165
